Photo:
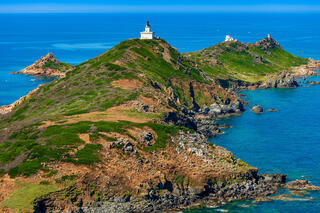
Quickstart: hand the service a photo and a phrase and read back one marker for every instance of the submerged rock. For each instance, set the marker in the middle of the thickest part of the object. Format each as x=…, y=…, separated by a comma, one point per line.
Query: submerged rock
x=314, y=82
x=272, y=110
x=262, y=199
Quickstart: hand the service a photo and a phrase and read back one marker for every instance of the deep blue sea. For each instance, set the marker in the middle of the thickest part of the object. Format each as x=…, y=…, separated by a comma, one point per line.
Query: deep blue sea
x=287, y=141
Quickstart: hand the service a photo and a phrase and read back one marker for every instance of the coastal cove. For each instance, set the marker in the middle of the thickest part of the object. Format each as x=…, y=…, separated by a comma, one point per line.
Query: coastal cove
x=286, y=141
x=281, y=142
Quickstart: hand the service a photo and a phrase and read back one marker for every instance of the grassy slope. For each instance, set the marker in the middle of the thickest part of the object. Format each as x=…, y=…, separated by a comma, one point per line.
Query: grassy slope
x=60, y=66
x=88, y=88
x=22, y=198
x=247, y=62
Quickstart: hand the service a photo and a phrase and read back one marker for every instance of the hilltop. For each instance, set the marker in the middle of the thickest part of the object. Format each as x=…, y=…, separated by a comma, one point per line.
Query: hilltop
x=128, y=131
x=252, y=63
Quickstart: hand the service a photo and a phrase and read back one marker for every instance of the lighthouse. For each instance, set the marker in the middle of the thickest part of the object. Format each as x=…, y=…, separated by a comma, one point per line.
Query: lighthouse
x=147, y=34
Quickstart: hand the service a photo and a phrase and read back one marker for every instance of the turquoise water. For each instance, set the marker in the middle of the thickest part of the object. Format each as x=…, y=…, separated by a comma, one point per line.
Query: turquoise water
x=286, y=141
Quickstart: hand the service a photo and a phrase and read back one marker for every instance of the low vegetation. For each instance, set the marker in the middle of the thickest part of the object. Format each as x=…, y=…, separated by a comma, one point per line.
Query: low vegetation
x=21, y=200
x=56, y=142
x=247, y=62
x=62, y=67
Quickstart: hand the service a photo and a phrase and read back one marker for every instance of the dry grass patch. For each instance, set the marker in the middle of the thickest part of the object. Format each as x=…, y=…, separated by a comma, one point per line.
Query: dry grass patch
x=127, y=84
x=113, y=114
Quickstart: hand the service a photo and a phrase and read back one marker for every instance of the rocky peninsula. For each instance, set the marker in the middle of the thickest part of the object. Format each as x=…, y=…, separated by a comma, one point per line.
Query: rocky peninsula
x=47, y=65
x=128, y=131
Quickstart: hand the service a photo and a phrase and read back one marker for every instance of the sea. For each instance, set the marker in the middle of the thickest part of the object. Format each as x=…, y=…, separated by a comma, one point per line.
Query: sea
x=287, y=141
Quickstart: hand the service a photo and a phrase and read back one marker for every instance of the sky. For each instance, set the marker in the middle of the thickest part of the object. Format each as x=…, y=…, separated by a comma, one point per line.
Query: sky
x=118, y=6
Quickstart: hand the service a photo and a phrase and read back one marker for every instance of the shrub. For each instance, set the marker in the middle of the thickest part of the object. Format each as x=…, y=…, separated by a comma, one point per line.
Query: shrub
x=26, y=168
x=45, y=182
x=64, y=139
x=13, y=150
x=163, y=133
x=88, y=154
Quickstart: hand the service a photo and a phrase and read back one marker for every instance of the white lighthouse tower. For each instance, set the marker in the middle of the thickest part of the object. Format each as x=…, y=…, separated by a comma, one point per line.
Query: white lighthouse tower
x=147, y=34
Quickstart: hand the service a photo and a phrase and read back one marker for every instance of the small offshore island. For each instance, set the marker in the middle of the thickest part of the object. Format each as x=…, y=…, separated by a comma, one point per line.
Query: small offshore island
x=128, y=130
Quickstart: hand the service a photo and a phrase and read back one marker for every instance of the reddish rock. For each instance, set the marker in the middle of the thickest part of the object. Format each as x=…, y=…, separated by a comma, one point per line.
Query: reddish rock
x=301, y=185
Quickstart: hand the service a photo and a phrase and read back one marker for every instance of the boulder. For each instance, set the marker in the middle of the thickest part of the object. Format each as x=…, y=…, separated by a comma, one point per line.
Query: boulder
x=257, y=109
x=146, y=138
x=215, y=108
x=128, y=147
x=123, y=144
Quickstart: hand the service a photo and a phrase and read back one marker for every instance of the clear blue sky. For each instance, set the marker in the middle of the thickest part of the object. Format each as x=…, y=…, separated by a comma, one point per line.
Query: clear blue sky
x=7, y=6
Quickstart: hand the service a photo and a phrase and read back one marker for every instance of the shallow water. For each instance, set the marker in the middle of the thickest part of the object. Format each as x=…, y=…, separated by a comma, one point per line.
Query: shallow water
x=286, y=141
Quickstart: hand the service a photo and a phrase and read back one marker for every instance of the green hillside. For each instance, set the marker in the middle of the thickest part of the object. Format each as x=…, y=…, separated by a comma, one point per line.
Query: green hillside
x=90, y=88
x=248, y=62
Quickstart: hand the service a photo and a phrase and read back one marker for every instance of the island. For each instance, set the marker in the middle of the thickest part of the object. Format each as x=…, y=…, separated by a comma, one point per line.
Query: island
x=128, y=130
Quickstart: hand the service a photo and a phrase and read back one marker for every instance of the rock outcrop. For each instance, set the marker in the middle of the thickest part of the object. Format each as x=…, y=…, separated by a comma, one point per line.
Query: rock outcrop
x=214, y=193
x=284, y=80
x=203, y=120
x=257, y=109
x=267, y=43
x=47, y=65
x=301, y=185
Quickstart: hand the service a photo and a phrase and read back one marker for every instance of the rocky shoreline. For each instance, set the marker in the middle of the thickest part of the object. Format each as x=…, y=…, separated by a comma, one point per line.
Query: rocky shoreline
x=8, y=108
x=286, y=79
x=177, y=196
x=212, y=194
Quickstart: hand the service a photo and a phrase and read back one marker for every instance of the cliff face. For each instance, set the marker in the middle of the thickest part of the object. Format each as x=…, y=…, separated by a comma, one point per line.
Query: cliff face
x=47, y=65
x=128, y=130
x=283, y=80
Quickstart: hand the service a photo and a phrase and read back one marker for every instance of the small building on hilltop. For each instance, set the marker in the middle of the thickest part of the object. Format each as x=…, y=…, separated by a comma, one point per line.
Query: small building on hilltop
x=148, y=34
x=229, y=38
